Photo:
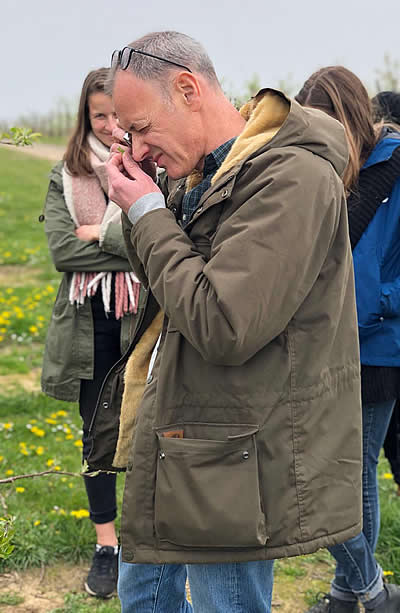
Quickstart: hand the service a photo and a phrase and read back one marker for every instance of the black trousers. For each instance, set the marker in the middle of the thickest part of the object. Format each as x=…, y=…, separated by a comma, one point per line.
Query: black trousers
x=101, y=490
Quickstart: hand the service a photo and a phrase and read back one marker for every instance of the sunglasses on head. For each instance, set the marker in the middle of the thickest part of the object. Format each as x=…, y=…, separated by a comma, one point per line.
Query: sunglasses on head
x=121, y=58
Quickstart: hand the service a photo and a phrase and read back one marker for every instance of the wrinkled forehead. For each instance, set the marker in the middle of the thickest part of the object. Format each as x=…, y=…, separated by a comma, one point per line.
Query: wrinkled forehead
x=137, y=101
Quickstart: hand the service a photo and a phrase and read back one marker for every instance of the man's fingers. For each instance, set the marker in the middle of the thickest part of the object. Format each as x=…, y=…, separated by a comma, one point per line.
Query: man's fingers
x=131, y=167
x=118, y=134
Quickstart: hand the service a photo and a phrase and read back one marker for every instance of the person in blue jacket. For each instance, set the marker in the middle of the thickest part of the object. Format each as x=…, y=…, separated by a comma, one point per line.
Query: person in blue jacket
x=387, y=109
x=372, y=184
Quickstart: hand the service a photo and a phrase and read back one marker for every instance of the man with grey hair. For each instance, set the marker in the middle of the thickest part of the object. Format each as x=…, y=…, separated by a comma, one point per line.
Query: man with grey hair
x=247, y=441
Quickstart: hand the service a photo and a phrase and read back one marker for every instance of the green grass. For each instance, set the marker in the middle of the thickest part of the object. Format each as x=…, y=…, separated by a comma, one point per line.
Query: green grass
x=82, y=603
x=11, y=599
x=28, y=280
x=38, y=433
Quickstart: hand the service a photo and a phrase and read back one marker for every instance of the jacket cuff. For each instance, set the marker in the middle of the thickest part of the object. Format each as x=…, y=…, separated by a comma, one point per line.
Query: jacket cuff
x=145, y=204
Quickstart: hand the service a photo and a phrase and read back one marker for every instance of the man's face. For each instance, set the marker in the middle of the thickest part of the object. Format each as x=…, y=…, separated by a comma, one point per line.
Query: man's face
x=163, y=129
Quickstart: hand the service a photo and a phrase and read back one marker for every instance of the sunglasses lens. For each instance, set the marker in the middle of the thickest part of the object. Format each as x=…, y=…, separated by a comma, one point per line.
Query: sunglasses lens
x=125, y=58
x=115, y=58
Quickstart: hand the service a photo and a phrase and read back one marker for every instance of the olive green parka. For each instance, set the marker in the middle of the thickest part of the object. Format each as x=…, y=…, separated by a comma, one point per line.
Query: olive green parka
x=247, y=441
x=69, y=350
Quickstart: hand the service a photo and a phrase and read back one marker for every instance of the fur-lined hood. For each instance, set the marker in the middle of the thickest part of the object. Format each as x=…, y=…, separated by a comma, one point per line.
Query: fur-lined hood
x=273, y=120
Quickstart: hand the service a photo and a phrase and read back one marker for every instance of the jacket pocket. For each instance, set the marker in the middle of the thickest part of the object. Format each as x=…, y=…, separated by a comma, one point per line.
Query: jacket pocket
x=207, y=486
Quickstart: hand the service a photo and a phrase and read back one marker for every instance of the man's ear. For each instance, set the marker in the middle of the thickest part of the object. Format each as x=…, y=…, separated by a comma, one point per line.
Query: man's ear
x=188, y=89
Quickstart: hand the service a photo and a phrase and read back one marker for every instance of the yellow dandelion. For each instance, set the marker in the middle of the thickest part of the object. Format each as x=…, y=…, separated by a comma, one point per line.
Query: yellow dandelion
x=7, y=254
x=9, y=472
x=78, y=444
x=40, y=450
x=37, y=522
x=69, y=437
x=9, y=290
x=50, y=462
x=20, y=316
x=80, y=513
x=61, y=413
x=49, y=288
x=24, y=451
x=20, y=490
x=1, y=458
x=388, y=476
x=3, y=330
x=57, y=468
x=48, y=420
x=38, y=431
x=41, y=318
x=388, y=573
x=8, y=425
x=33, y=329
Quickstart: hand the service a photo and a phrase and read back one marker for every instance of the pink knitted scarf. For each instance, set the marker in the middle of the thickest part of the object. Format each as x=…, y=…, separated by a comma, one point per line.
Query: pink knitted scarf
x=86, y=201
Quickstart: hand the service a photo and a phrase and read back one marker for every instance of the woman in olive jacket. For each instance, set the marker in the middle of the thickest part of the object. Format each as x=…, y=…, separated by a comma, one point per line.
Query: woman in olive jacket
x=96, y=301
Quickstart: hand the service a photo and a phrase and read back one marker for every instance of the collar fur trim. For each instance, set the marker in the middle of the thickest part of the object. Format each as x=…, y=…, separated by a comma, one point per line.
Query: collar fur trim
x=265, y=115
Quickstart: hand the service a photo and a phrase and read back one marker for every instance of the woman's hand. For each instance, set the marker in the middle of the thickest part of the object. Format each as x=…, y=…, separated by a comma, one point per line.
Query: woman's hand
x=90, y=234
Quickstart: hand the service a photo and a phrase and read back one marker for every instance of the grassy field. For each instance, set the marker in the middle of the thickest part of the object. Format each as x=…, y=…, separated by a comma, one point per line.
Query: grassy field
x=53, y=536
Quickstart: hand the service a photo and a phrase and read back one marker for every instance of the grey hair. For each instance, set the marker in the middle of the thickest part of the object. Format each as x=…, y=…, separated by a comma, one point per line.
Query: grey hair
x=172, y=46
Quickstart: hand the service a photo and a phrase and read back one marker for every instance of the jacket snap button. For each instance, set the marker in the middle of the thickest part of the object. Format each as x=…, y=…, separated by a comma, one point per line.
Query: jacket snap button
x=128, y=555
x=162, y=455
x=381, y=319
x=245, y=455
x=149, y=379
x=105, y=405
x=224, y=193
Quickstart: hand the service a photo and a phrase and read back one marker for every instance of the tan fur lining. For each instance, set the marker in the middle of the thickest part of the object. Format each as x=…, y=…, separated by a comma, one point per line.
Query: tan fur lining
x=135, y=380
x=193, y=179
x=265, y=116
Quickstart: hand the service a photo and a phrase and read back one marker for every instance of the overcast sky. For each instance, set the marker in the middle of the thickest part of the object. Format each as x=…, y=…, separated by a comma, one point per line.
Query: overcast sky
x=47, y=46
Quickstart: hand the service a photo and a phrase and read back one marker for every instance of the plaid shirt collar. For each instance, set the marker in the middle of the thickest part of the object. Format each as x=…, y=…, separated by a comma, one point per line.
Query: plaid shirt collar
x=211, y=164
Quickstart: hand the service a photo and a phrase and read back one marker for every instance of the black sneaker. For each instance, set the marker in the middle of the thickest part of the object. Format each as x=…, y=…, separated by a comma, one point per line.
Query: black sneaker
x=103, y=574
x=392, y=602
x=329, y=604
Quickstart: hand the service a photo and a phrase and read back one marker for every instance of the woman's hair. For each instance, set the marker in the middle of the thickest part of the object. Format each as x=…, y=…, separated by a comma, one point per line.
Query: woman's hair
x=340, y=93
x=77, y=155
x=386, y=106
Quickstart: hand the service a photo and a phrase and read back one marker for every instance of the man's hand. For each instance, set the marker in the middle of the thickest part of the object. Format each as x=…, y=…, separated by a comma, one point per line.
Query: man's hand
x=89, y=234
x=121, y=146
x=127, y=182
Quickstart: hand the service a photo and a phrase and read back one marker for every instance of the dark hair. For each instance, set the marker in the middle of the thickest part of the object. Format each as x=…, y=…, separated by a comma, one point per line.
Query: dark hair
x=387, y=107
x=77, y=155
x=340, y=93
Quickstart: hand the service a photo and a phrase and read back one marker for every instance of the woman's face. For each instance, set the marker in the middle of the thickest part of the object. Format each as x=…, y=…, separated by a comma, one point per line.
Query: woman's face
x=102, y=117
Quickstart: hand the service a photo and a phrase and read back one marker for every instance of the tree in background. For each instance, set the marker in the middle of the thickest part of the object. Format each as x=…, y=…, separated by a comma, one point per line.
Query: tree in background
x=388, y=77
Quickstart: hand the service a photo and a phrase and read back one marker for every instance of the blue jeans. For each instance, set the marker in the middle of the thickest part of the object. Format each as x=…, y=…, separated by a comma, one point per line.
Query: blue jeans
x=215, y=588
x=357, y=573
